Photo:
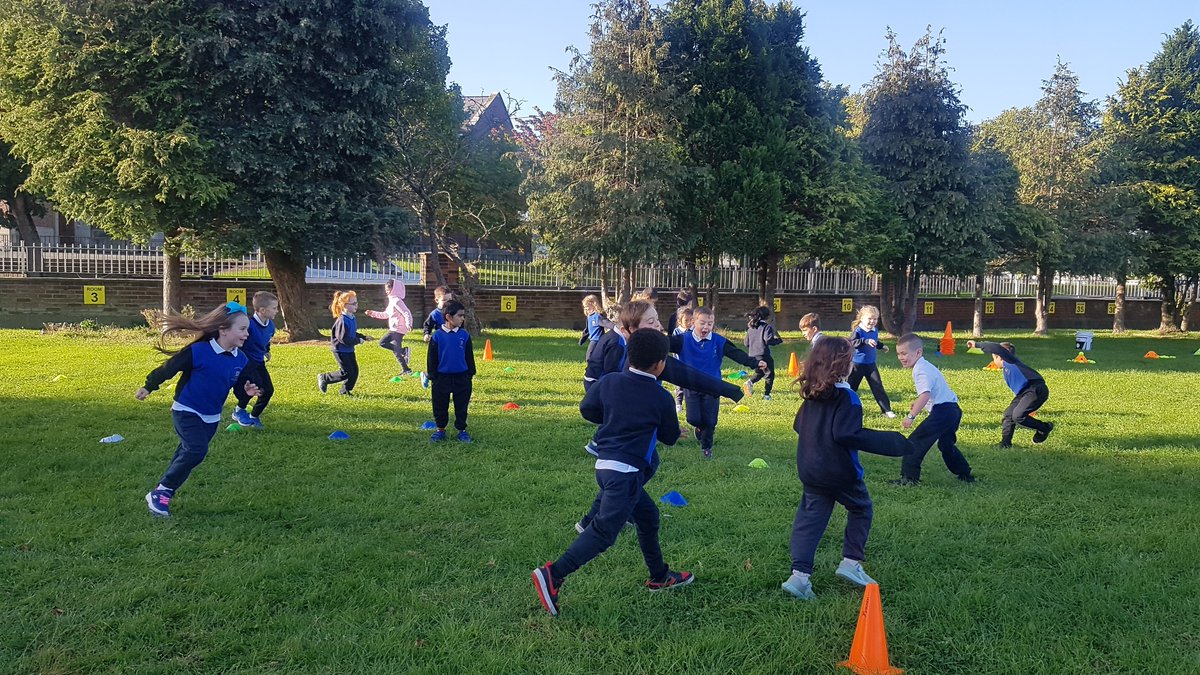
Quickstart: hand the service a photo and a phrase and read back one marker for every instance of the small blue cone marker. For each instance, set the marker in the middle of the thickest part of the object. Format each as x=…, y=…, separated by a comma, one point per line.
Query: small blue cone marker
x=339, y=436
x=673, y=498
x=428, y=426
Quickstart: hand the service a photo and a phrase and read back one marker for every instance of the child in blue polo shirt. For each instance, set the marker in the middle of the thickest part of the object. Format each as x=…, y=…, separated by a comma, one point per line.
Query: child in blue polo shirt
x=1029, y=392
x=450, y=365
x=704, y=350
x=258, y=352
x=208, y=369
x=635, y=414
x=342, y=340
x=941, y=426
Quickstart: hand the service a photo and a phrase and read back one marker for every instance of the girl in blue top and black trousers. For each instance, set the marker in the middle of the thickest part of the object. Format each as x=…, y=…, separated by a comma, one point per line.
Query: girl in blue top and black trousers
x=343, y=340
x=207, y=369
x=865, y=339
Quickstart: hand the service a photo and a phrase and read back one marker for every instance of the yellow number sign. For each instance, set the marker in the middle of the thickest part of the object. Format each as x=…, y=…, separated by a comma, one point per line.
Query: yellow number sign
x=700, y=301
x=93, y=295
x=778, y=305
x=928, y=308
x=847, y=305
x=989, y=307
x=237, y=295
x=508, y=303
x=1112, y=308
x=1018, y=307
x=1051, y=310
x=1081, y=308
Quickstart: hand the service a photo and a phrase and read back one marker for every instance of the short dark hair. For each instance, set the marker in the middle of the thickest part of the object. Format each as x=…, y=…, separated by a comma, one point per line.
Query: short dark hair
x=647, y=347
x=452, y=307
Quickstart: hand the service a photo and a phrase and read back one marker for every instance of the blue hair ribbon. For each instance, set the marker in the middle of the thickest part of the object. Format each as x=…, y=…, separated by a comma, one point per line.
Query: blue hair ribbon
x=235, y=307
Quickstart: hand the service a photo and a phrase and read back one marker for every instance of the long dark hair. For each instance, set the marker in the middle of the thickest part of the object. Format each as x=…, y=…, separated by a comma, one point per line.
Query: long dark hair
x=206, y=328
x=826, y=365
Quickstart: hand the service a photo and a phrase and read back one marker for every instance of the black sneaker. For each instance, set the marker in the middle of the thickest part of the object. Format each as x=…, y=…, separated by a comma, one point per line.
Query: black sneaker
x=672, y=580
x=1041, y=436
x=905, y=482
x=543, y=583
x=1004, y=445
x=967, y=478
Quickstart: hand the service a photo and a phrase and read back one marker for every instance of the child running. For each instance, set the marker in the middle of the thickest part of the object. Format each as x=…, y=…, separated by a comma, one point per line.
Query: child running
x=760, y=336
x=634, y=414
x=941, y=426
x=450, y=365
x=682, y=319
x=810, y=326
x=344, y=338
x=1029, y=389
x=864, y=335
x=830, y=436
x=208, y=369
x=596, y=324
x=399, y=320
x=257, y=349
x=704, y=350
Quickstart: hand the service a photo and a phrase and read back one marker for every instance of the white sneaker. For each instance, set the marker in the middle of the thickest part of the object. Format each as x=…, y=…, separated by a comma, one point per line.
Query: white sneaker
x=748, y=387
x=890, y=415
x=799, y=586
x=852, y=571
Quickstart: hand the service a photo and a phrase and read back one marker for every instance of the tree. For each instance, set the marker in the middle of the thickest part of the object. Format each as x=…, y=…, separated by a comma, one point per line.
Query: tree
x=17, y=207
x=303, y=98
x=601, y=181
x=914, y=137
x=768, y=170
x=1153, y=124
x=1051, y=145
x=96, y=98
x=456, y=182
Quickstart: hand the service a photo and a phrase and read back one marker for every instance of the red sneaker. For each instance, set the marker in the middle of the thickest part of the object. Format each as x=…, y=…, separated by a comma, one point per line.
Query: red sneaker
x=543, y=582
x=672, y=580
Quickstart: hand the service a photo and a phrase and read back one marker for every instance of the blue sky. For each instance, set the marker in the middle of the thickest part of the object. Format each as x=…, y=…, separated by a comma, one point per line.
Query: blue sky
x=999, y=53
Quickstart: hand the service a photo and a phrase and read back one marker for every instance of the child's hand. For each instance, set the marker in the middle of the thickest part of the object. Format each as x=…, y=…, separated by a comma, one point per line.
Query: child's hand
x=252, y=389
x=267, y=357
x=762, y=365
x=142, y=393
x=906, y=423
x=883, y=348
x=873, y=343
x=425, y=338
x=970, y=344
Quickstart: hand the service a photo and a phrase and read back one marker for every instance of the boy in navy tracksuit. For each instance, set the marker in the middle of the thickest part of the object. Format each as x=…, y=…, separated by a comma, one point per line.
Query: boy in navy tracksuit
x=1029, y=390
x=760, y=336
x=634, y=413
x=207, y=368
x=704, y=350
x=935, y=396
x=258, y=351
x=450, y=365
x=830, y=436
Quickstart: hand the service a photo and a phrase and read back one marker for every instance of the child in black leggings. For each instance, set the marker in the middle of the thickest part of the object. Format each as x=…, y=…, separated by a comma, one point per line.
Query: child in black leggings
x=865, y=339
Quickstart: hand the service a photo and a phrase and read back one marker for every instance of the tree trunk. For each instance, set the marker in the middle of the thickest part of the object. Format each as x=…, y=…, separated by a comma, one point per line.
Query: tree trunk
x=768, y=275
x=1166, y=323
x=1118, y=326
x=977, y=323
x=1041, y=303
x=287, y=272
x=693, y=281
x=892, y=283
x=468, y=284
x=714, y=283
x=172, y=292
x=1185, y=307
x=22, y=213
x=624, y=288
x=603, y=282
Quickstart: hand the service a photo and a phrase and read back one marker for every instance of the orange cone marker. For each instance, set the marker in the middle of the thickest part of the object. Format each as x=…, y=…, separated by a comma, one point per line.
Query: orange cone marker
x=1151, y=355
x=869, y=652
x=793, y=366
x=992, y=366
x=487, y=351
x=947, y=345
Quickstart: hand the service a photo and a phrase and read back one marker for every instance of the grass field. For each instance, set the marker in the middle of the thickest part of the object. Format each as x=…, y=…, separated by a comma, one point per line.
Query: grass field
x=288, y=552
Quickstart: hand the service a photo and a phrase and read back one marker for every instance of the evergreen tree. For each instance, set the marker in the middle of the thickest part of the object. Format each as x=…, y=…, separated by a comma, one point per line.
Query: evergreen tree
x=1153, y=125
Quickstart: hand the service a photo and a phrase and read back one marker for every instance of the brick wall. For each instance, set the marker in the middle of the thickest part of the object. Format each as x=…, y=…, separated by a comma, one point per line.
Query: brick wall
x=30, y=302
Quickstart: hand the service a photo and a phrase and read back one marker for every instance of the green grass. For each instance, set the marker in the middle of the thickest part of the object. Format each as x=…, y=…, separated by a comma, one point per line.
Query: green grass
x=292, y=553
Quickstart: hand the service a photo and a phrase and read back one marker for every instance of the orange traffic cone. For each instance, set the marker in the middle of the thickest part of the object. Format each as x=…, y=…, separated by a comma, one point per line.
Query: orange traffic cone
x=793, y=366
x=869, y=652
x=992, y=366
x=487, y=351
x=1081, y=358
x=947, y=346
x=1151, y=354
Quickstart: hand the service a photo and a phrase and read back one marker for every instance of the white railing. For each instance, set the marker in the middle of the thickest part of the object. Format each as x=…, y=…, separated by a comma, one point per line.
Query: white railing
x=123, y=260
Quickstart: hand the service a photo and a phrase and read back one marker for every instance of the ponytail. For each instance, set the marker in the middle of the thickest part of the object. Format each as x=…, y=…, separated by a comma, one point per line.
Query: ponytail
x=340, y=300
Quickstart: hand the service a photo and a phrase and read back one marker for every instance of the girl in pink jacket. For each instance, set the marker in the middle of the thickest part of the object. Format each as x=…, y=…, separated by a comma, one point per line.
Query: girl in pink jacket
x=399, y=320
